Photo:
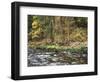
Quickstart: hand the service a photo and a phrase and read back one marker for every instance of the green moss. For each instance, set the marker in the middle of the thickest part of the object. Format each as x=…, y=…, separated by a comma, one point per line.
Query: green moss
x=57, y=48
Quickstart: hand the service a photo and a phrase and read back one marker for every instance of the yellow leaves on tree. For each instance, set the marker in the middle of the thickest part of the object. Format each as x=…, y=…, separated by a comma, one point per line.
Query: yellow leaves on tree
x=36, y=30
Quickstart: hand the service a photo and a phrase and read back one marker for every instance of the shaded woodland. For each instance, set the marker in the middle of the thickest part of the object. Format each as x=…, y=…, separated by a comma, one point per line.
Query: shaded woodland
x=54, y=34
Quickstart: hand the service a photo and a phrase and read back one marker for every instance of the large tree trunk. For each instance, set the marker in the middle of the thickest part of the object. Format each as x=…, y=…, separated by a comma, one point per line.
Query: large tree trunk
x=68, y=26
x=67, y=29
x=52, y=26
x=58, y=30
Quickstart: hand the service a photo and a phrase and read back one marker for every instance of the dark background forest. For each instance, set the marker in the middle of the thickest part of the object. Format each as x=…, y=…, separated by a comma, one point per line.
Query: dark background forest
x=57, y=30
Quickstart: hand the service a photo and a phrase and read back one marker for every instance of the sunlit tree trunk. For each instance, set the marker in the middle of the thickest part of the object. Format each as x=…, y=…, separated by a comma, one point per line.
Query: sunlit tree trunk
x=52, y=26
x=68, y=25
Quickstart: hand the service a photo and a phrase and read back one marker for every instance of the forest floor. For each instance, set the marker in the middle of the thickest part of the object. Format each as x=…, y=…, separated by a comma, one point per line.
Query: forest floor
x=50, y=55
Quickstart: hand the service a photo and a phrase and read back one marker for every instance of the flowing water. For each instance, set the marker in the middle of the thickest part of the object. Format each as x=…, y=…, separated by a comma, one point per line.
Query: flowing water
x=38, y=57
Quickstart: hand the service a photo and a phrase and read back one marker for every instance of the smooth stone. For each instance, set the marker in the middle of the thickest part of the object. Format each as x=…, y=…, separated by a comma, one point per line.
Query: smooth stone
x=74, y=62
x=54, y=59
x=84, y=55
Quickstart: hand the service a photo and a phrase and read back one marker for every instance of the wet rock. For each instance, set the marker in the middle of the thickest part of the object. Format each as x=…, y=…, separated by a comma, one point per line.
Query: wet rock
x=30, y=51
x=55, y=55
x=53, y=64
x=64, y=52
x=49, y=53
x=84, y=55
x=74, y=63
x=77, y=55
x=54, y=59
